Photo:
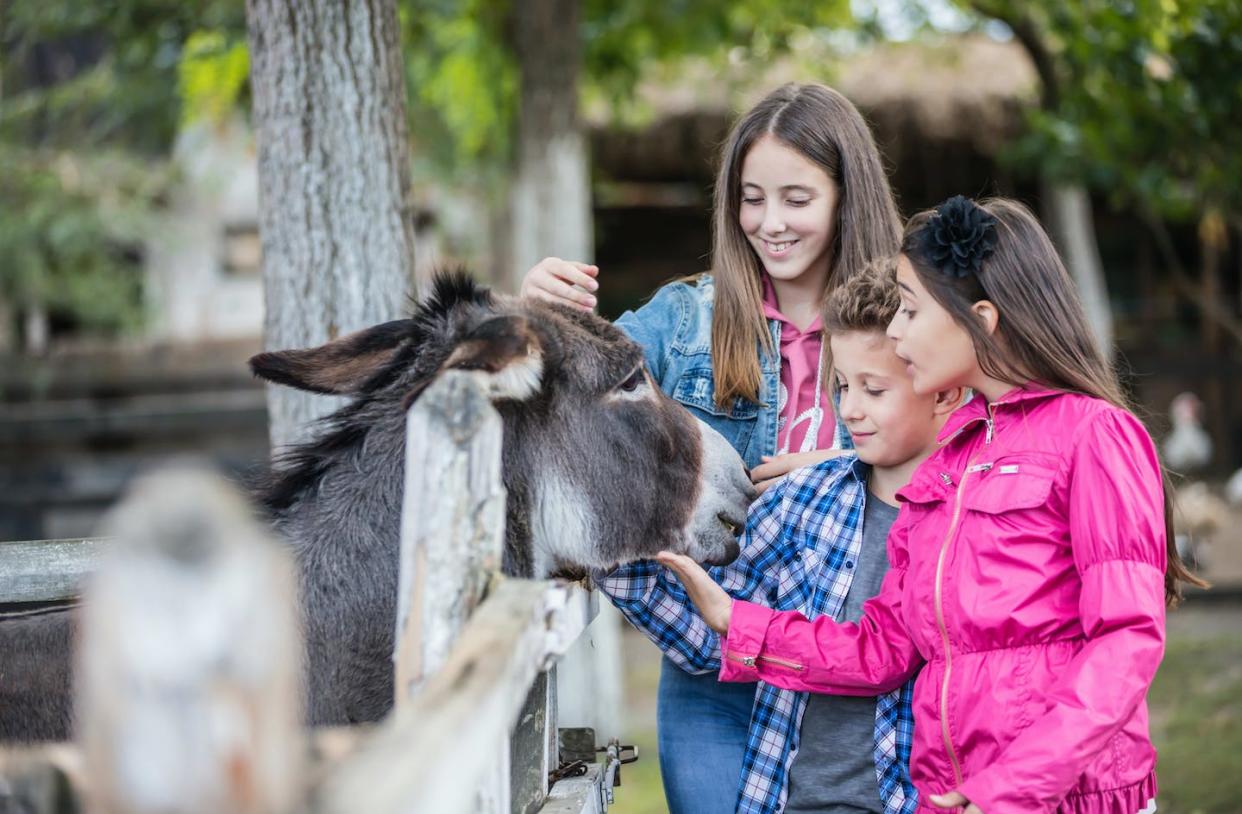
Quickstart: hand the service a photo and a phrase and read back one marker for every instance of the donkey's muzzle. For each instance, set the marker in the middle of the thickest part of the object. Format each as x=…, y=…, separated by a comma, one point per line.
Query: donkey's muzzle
x=731, y=552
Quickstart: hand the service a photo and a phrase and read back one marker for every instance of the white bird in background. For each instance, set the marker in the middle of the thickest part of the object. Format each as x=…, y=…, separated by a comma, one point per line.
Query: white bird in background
x=1233, y=488
x=1187, y=447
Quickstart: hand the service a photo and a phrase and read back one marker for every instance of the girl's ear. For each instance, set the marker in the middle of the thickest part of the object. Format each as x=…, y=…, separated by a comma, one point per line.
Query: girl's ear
x=949, y=400
x=986, y=311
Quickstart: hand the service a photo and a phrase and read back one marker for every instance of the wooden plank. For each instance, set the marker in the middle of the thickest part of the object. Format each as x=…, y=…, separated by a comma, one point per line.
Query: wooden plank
x=578, y=795
x=452, y=522
x=433, y=753
x=189, y=671
x=529, y=757
x=46, y=570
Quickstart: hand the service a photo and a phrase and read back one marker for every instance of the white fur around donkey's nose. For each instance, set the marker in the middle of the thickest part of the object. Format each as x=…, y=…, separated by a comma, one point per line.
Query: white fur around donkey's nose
x=725, y=492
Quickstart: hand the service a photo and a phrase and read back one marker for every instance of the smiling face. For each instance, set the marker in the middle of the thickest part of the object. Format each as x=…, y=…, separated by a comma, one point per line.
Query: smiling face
x=788, y=211
x=937, y=351
x=890, y=423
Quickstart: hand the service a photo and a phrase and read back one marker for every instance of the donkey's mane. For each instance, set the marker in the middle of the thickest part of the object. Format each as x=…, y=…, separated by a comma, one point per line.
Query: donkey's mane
x=301, y=466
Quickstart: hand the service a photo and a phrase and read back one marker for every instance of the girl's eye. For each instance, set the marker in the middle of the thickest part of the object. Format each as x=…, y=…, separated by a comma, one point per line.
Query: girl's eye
x=631, y=384
x=752, y=201
x=874, y=392
x=799, y=203
x=842, y=386
x=908, y=312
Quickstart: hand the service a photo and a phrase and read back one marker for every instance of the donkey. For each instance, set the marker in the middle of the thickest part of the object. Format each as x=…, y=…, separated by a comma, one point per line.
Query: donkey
x=599, y=465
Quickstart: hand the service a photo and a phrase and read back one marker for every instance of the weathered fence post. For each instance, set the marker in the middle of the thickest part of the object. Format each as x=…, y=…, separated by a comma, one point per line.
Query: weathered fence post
x=452, y=522
x=452, y=537
x=189, y=667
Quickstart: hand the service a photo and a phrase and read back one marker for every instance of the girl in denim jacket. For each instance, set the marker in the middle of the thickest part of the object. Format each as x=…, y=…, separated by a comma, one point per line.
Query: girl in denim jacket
x=801, y=203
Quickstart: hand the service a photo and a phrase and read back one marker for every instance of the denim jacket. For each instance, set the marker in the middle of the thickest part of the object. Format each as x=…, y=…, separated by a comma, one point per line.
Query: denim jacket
x=675, y=331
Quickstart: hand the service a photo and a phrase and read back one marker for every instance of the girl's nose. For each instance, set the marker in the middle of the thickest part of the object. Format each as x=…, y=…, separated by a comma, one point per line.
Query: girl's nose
x=893, y=331
x=773, y=223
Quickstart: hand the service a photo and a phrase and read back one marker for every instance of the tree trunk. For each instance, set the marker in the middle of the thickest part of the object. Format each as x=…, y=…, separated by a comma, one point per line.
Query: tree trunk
x=550, y=215
x=550, y=202
x=36, y=330
x=329, y=114
x=1213, y=243
x=1067, y=210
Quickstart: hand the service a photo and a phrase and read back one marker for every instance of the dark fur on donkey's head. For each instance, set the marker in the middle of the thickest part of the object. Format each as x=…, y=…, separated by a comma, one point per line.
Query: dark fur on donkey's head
x=392, y=348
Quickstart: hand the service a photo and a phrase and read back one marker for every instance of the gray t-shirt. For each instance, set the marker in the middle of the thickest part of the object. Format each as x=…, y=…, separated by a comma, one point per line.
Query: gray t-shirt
x=833, y=771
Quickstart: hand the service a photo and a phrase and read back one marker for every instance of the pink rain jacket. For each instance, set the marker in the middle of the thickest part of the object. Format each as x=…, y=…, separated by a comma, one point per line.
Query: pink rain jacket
x=1027, y=581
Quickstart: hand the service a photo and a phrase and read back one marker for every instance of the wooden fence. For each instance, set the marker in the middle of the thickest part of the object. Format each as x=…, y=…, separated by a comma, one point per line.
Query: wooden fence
x=188, y=670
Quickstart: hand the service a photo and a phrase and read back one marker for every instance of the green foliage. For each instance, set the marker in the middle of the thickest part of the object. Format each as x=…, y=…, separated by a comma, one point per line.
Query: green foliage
x=85, y=75
x=214, y=76
x=624, y=39
x=461, y=83
x=1144, y=98
x=69, y=249
x=91, y=103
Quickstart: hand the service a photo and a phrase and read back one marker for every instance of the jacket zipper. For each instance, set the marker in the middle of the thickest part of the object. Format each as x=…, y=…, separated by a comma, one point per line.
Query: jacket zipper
x=749, y=661
x=938, y=596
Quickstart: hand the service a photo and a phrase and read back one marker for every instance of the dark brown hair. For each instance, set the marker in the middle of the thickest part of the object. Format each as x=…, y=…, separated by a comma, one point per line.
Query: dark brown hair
x=824, y=127
x=1042, y=334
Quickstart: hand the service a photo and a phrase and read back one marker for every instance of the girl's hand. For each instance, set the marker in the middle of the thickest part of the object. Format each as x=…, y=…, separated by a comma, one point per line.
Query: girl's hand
x=955, y=799
x=775, y=467
x=715, y=606
x=553, y=279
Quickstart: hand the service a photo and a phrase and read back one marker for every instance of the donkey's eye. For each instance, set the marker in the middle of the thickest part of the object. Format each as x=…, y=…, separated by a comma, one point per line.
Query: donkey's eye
x=631, y=384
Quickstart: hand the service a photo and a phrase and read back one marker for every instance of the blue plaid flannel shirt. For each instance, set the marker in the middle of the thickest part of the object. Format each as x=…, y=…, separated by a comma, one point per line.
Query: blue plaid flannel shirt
x=801, y=541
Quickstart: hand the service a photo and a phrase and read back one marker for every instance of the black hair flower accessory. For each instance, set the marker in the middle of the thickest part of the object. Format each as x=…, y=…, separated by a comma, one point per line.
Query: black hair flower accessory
x=959, y=237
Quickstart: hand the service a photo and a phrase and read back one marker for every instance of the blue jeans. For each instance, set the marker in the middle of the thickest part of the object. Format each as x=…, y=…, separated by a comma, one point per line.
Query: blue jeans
x=701, y=731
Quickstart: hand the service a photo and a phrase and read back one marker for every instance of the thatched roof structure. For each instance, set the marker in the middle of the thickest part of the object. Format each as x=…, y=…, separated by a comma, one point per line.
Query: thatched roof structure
x=970, y=89
x=963, y=94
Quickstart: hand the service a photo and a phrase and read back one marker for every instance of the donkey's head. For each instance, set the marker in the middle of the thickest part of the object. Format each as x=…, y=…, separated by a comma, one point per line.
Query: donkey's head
x=601, y=467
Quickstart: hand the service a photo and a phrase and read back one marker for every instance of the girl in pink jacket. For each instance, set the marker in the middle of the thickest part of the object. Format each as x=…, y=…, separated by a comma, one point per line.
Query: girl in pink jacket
x=1033, y=556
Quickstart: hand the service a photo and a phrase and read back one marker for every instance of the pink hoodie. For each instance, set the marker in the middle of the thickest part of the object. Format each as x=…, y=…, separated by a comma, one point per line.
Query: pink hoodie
x=805, y=420
x=1027, y=580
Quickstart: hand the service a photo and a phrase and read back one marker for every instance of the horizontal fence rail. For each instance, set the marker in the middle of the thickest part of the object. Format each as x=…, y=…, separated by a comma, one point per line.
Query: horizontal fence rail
x=46, y=570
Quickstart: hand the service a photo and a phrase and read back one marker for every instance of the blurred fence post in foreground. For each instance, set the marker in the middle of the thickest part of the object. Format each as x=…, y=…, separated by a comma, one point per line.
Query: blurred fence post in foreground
x=189, y=677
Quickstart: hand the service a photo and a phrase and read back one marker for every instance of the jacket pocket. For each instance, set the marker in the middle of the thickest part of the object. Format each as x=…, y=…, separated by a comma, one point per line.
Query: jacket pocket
x=696, y=388
x=1009, y=484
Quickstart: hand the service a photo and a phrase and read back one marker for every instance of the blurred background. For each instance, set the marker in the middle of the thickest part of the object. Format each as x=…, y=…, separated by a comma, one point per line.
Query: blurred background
x=131, y=263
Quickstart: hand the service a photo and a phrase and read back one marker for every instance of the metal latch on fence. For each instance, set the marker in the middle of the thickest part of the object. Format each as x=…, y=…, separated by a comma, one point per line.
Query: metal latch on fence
x=578, y=751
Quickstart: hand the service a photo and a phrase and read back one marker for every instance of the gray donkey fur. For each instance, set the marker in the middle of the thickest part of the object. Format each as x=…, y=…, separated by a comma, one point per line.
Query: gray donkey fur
x=600, y=468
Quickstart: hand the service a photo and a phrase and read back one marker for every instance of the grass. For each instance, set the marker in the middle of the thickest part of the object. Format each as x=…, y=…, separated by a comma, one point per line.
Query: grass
x=1196, y=707
x=1195, y=702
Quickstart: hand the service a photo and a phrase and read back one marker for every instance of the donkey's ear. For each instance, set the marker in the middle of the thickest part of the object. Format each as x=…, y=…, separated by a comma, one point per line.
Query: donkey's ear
x=507, y=352
x=340, y=367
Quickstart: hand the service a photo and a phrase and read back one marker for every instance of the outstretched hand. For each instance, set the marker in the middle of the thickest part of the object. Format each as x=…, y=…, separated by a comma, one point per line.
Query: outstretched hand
x=955, y=799
x=715, y=606
x=564, y=282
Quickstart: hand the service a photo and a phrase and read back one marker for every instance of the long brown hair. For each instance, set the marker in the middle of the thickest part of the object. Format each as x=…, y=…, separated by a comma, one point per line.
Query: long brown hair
x=825, y=128
x=1043, y=334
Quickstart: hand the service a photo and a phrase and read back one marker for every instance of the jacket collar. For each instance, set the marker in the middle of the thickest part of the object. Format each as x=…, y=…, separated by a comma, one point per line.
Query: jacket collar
x=977, y=409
